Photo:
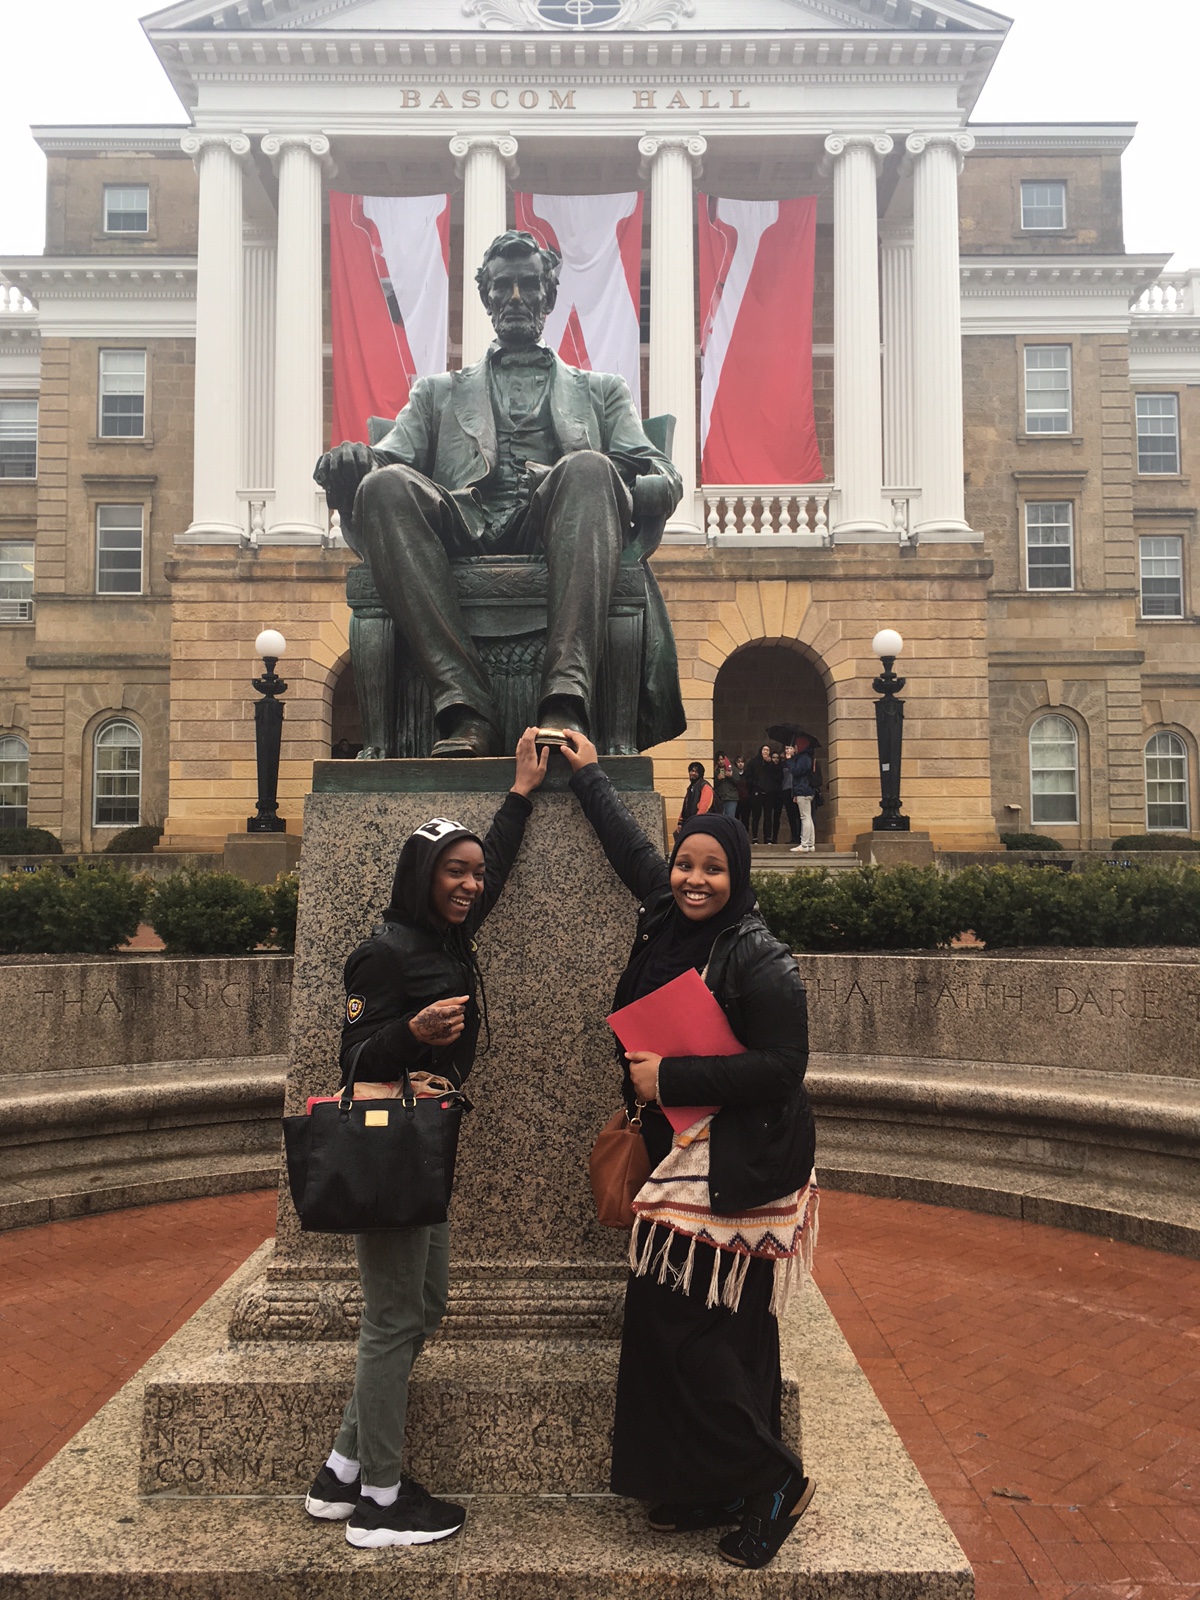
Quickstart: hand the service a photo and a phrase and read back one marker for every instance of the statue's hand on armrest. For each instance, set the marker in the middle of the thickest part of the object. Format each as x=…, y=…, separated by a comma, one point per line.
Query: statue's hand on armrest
x=652, y=497
x=341, y=471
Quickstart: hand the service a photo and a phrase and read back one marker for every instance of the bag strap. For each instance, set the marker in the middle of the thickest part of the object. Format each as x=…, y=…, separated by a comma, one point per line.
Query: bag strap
x=408, y=1098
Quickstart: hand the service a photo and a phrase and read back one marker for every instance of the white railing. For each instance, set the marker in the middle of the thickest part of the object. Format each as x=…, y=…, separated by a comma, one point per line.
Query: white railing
x=794, y=514
x=13, y=302
x=1175, y=294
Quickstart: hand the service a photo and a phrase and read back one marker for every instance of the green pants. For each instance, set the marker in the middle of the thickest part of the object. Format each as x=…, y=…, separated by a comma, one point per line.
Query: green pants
x=405, y=1282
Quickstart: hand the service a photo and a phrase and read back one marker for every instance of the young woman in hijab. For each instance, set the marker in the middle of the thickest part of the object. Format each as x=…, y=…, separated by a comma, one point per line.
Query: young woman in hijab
x=697, y=1426
x=413, y=992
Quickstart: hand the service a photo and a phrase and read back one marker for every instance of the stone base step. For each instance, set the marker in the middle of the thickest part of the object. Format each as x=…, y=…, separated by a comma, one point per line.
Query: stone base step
x=81, y=1529
x=53, y=1196
x=779, y=858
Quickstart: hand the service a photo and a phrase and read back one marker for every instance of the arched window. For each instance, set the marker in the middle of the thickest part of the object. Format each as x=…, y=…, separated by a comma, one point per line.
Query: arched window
x=1054, y=771
x=1167, y=807
x=118, y=775
x=14, y=781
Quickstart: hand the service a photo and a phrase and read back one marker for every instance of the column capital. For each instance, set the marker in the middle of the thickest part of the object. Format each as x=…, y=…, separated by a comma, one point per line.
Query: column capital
x=879, y=144
x=504, y=144
x=692, y=144
x=918, y=143
x=195, y=144
x=273, y=145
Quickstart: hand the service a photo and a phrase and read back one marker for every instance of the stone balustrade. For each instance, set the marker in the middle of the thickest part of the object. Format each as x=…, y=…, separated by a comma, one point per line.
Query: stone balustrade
x=1175, y=294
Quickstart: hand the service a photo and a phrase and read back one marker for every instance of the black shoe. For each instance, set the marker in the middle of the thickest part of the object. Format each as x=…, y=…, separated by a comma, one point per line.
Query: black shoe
x=329, y=1499
x=415, y=1517
x=766, y=1523
x=670, y=1518
x=563, y=711
x=464, y=733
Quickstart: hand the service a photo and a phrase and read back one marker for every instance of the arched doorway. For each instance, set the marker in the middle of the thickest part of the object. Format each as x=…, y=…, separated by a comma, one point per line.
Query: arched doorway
x=761, y=685
x=345, y=732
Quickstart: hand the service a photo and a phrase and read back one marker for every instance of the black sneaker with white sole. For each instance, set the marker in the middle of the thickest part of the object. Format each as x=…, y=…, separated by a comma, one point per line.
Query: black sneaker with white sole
x=329, y=1499
x=414, y=1517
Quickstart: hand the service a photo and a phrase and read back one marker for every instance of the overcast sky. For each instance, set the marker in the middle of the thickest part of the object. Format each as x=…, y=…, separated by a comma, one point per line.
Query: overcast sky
x=1065, y=61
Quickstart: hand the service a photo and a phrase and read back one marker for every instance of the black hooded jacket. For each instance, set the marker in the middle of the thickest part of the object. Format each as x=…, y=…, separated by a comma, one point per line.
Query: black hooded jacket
x=763, y=1140
x=410, y=962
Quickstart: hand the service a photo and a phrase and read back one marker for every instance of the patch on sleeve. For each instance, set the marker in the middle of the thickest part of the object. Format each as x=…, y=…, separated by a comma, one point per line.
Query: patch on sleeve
x=356, y=1004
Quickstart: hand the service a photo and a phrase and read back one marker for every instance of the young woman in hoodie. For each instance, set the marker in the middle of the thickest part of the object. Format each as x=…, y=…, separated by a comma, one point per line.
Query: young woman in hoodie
x=729, y=1212
x=413, y=994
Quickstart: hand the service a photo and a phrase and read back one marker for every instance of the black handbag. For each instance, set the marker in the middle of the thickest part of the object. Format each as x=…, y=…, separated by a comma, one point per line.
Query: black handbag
x=359, y=1166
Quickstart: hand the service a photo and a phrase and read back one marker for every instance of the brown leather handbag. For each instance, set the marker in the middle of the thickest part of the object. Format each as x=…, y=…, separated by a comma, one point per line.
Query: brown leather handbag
x=619, y=1166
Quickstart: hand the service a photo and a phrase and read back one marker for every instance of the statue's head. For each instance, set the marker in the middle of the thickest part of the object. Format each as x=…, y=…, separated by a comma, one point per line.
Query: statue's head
x=518, y=283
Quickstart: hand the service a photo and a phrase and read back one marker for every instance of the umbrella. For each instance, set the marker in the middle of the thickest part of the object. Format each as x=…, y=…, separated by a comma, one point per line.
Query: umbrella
x=791, y=733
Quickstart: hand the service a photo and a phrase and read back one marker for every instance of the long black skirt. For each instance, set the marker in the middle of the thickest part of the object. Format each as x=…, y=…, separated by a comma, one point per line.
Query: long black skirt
x=698, y=1389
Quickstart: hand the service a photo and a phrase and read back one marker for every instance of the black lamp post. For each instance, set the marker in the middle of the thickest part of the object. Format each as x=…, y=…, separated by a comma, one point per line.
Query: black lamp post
x=889, y=732
x=268, y=733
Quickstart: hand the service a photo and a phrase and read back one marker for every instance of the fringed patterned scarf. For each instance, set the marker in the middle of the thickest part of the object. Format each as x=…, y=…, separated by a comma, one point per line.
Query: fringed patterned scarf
x=675, y=1199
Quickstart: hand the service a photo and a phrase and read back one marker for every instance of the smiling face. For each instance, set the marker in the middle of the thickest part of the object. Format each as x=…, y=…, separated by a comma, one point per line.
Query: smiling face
x=518, y=296
x=700, y=878
x=457, y=882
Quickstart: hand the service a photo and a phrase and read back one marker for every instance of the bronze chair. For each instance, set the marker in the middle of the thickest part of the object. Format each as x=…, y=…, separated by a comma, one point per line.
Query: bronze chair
x=504, y=601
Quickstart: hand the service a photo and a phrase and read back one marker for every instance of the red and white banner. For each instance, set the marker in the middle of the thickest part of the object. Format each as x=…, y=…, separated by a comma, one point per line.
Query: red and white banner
x=596, y=323
x=756, y=315
x=389, y=299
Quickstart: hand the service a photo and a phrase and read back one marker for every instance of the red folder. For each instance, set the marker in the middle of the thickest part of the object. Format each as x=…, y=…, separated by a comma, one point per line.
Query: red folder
x=680, y=1019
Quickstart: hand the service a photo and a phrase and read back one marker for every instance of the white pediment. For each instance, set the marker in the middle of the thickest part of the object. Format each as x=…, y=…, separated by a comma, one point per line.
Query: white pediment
x=576, y=16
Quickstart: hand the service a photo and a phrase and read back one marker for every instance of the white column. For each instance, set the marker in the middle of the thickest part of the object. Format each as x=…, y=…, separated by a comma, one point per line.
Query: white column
x=673, y=163
x=299, y=159
x=857, y=374
x=937, y=334
x=258, y=367
x=216, y=516
x=899, y=463
x=484, y=162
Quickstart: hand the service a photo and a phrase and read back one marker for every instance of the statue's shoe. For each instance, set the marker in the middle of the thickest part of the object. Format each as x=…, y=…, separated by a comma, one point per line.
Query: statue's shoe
x=563, y=711
x=470, y=736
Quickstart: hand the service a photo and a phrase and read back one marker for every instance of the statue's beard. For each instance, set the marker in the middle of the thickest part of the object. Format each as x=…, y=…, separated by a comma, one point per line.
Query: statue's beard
x=519, y=328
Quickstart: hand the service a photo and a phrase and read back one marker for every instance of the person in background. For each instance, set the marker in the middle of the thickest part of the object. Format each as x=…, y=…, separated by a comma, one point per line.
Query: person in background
x=766, y=795
x=789, y=805
x=743, y=792
x=698, y=797
x=725, y=788
x=804, y=789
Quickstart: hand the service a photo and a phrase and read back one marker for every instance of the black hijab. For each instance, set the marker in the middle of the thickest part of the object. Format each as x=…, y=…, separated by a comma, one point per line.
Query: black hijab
x=681, y=943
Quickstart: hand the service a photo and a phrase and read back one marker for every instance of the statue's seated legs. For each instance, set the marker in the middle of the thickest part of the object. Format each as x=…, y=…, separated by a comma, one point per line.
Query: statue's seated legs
x=409, y=529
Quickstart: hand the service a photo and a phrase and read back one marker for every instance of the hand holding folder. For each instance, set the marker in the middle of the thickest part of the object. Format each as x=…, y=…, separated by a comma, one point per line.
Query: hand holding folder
x=680, y=1019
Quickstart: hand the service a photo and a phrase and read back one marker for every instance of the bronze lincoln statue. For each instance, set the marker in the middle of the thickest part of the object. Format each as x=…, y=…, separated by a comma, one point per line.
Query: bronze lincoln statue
x=518, y=455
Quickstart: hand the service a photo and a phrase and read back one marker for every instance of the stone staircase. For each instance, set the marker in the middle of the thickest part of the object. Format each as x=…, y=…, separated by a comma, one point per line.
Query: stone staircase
x=779, y=858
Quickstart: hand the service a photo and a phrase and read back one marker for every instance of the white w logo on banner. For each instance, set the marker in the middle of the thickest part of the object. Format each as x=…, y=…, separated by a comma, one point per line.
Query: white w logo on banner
x=596, y=321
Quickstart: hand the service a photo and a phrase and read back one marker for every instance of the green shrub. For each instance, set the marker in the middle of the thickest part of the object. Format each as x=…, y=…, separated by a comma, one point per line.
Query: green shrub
x=1148, y=841
x=875, y=908
x=29, y=842
x=1029, y=841
x=210, y=914
x=134, y=841
x=1006, y=907
x=285, y=900
x=89, y=911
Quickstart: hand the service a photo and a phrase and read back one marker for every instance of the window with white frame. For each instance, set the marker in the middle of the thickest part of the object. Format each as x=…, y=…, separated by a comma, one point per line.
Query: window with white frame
x=14, y=782
x=117, y=781
x=16, y=580
x=1160, y=559
x=127, y=208
x=18, y=438
x=122, y=394
x=1053, y=771
x=1168, y=808
x=1049, y=544
x=1157, y=433
x=1047, y=388
x=1044, y=205
x=119, y=541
